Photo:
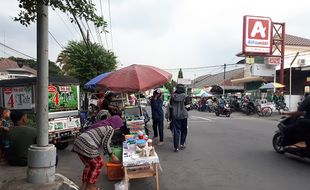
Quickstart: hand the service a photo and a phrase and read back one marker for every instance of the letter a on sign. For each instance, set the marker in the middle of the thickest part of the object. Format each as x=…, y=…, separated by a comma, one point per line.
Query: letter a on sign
x=257, y=35
x=258, y=28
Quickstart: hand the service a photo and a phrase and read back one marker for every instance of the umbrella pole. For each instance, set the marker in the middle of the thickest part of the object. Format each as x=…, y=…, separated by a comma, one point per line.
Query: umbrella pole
x=123, y=100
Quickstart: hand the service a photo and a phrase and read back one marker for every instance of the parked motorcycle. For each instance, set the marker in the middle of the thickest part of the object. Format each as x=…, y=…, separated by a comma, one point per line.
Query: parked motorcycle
x=249, y=108
x=281, y=145
x=223, y=111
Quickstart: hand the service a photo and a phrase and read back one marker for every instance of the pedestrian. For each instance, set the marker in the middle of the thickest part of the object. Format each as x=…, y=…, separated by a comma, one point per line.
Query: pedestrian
x=107, y=103
x=179, y=117
x=4, y=132
x=21, y=137
x=88, y=146
x=158, y=116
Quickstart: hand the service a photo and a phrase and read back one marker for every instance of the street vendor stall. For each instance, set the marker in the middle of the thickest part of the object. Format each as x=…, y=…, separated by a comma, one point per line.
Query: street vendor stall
x=139, y=157
x=140, y=160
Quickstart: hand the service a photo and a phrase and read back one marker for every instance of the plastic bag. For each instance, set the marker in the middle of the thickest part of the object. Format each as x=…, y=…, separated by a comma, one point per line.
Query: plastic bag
x=121, y=185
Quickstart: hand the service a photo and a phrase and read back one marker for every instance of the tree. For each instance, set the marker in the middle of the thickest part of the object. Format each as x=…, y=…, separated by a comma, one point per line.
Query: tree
x=171, y=85
x=180, y=75
x=85, y=62
x=53, y=69
x=77, y=8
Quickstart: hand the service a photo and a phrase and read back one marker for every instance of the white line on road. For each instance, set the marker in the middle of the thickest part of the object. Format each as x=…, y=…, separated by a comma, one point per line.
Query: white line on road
x=206, y=119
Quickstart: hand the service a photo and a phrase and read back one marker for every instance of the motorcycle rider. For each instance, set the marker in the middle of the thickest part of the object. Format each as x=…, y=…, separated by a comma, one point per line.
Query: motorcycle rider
x=301, y=128
x=221, y=103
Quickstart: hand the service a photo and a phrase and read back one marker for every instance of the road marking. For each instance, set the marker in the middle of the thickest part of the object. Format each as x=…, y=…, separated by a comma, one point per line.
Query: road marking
x=206, y=119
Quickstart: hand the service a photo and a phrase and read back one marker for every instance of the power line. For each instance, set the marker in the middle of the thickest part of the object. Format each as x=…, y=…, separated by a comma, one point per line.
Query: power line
x=17, y=51
x=4, y=52
x=205, y=67
x=293, y=54
x=110, y=18
x=91, y=33
x=98, y=35
x=62, y=47
x=64, y=23
x=104, y=30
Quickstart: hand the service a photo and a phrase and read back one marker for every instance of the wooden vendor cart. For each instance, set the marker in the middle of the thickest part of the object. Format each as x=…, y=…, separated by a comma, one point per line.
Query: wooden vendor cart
x=136, y=167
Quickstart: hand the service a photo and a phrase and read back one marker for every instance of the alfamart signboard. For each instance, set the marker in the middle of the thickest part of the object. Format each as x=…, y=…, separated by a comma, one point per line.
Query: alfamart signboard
x=257, y=35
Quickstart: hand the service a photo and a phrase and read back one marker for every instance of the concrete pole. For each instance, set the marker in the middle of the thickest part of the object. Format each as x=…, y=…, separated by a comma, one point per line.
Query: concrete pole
x=42, y=156
x=290, y=88
x=224, y=79
x=291, y=80
x=42, y=76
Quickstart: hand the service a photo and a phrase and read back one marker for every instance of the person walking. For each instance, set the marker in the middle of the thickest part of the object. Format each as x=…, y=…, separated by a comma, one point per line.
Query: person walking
x=158, y=116
x=179, y=117
x=87, y=147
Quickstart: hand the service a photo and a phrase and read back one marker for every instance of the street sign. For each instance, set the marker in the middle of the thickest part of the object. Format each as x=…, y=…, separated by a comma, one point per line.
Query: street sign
x=274, y=60
x=257, y=35
x=249, y=60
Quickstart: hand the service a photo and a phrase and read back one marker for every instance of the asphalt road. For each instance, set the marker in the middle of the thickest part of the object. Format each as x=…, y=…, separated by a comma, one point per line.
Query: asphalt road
x=222, y=154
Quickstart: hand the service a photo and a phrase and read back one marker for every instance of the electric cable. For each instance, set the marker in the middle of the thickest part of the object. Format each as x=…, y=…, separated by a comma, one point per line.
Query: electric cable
x=110, y=19
x=103, y=27
x=17, y=51
x=61, y=46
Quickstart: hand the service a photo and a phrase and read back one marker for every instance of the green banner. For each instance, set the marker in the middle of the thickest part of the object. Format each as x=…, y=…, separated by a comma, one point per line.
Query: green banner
x=62, y=98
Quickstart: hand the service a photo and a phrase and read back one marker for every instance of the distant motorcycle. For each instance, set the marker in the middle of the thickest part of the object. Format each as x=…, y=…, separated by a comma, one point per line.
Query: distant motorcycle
x=280, y=141
x=223, y=111
x=249, y=108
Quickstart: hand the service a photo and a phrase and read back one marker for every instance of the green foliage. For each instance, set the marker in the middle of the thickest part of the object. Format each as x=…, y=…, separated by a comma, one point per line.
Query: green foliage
x=180, y=75
x=171, y=85
x=85, y=62
x=83, y=9
x=53, y=69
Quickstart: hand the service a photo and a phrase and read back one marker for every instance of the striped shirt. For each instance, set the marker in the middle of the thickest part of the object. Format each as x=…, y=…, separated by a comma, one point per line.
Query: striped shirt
x=89, y=142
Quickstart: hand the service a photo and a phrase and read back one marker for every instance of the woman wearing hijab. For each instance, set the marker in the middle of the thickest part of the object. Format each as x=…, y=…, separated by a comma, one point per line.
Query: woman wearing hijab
x=158, y=116
x=87, y=147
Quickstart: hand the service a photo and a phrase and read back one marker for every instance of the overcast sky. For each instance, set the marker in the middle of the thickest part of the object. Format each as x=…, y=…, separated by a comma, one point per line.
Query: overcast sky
x=163, y=33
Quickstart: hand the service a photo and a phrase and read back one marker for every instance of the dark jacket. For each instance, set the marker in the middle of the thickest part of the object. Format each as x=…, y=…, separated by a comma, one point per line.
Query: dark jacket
x=177, y=104
x=157, y=109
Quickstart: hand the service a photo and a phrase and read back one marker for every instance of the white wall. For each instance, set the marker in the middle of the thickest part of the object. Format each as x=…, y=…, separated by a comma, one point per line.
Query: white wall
x=295, y=99
x=290, y=52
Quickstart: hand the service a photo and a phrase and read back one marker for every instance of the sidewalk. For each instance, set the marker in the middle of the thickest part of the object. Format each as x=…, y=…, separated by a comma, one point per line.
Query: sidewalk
x=14, y=178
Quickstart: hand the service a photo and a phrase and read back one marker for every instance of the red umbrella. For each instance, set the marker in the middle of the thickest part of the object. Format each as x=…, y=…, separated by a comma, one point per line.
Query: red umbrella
x=135, y=78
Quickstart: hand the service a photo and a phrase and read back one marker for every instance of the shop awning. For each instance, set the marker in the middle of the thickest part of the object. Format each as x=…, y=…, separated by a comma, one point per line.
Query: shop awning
x=247, y=79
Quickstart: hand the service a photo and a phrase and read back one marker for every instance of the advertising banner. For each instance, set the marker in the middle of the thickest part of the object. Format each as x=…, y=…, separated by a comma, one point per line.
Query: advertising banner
x=18, y=97
x=62, y=98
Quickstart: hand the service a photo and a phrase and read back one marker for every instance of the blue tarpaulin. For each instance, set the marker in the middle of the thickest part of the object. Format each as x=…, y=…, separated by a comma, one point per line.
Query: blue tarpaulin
x=93, y=82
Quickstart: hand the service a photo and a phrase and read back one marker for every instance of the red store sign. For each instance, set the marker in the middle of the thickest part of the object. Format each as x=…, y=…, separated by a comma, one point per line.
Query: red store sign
x=257, y=35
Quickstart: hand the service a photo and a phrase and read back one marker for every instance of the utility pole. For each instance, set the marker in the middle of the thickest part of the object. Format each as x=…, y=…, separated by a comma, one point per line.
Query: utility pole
x=224, y=79
x=42, y=156
x=4, y=44
x=291, y=80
